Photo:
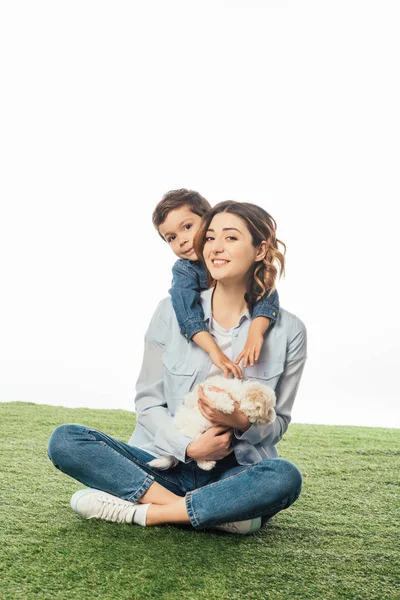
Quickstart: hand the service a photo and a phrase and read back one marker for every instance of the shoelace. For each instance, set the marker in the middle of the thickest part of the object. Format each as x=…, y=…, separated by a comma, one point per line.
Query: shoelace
x=111, y=510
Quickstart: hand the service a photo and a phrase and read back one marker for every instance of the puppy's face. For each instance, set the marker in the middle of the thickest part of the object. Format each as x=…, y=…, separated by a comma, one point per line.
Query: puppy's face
x=262, y=398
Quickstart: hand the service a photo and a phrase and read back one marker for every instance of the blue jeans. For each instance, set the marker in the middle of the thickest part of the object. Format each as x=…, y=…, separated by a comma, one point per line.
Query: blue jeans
x=229, y=492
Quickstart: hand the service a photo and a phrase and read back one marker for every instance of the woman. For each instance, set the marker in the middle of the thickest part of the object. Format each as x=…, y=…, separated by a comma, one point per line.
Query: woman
x=238, y=245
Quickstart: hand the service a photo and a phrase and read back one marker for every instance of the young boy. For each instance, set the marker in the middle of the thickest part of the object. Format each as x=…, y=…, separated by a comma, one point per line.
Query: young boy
x=177, y=218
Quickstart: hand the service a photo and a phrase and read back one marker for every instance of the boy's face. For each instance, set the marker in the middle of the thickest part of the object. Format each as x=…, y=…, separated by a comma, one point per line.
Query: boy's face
x=179, y=229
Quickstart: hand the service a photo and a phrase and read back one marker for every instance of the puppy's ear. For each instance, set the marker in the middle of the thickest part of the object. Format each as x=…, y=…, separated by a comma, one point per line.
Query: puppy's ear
x=271, y=415
x=264, y=404
x=260, y=400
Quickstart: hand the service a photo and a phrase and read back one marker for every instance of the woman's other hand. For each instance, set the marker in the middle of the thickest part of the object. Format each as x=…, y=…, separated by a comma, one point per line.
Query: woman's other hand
x=213, y=444
x=220, y=360
x=237, y=419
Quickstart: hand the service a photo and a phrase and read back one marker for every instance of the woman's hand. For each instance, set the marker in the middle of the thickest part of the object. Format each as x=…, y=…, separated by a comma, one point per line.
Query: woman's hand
x=213, y=444
x=237, y=419
x=224, y=363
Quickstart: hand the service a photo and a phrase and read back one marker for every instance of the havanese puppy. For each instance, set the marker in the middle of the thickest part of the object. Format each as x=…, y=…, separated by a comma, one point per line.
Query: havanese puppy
x=256, y=400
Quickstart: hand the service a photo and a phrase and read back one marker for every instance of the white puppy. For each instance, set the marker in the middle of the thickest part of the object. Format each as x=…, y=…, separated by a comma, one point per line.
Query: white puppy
x=256, y=400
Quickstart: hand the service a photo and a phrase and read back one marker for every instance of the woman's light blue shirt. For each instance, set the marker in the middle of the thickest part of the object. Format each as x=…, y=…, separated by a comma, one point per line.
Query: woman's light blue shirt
x=171, y=368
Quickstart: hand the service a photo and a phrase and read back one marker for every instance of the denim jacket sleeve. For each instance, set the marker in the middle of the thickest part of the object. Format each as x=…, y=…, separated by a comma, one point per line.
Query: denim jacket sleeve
x=267, y=307
x=185, y=296
x=150, y=403
x=286, y=391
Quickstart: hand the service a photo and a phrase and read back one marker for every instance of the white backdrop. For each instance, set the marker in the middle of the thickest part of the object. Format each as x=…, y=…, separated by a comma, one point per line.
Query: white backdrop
x=107, y=105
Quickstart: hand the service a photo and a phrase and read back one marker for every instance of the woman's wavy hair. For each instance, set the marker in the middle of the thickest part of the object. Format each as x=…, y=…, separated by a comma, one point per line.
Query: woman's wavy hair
x=261, y=227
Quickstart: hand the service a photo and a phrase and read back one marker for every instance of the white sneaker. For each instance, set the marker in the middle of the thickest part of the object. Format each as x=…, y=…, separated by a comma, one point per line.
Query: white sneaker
x=242, y=527
x=95, y=504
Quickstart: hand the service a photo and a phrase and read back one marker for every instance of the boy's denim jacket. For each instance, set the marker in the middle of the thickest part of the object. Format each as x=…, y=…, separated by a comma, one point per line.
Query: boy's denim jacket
x=188, y=279
x=171, y=368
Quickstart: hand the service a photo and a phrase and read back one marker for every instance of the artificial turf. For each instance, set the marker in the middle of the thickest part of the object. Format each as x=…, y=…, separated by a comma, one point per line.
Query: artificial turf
x=338, y=541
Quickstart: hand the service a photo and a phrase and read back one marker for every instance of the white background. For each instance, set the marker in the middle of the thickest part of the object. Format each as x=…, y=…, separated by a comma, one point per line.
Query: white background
x=107, y=105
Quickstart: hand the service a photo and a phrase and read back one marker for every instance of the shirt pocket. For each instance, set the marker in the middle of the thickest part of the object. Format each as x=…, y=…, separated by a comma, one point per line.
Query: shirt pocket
x=268, y=373
x=179, y=377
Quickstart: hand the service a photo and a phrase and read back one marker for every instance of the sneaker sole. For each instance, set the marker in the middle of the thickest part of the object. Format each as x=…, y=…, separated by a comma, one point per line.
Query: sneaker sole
x=255, y=525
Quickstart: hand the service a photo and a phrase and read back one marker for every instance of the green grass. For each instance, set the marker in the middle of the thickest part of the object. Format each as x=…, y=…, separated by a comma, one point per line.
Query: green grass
x=338, y=541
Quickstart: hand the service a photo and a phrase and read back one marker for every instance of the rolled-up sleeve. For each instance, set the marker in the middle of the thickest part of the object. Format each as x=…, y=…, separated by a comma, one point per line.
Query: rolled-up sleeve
x=286, y=391
x=185, y=295
x=267, y=306
x=150, y=403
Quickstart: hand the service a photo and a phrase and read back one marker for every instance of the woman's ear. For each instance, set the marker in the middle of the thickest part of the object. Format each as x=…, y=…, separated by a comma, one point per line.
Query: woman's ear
x=262, y=251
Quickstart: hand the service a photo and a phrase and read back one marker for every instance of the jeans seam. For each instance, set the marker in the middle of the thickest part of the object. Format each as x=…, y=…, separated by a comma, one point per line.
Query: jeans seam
x=133, y=459
x=190, y=509
x=142, y=490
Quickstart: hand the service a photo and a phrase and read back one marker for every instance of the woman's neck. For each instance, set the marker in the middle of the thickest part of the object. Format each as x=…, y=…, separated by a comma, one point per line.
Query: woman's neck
x=228, y=303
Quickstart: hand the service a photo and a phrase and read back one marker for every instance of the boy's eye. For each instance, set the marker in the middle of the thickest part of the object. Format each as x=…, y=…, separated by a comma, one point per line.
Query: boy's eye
x=171, y=239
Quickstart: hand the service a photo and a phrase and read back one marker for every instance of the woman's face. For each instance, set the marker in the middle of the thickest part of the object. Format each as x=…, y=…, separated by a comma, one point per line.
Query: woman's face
x=228, y=250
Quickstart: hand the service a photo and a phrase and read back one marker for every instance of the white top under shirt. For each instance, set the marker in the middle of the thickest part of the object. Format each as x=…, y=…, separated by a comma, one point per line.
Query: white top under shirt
x=223, y=337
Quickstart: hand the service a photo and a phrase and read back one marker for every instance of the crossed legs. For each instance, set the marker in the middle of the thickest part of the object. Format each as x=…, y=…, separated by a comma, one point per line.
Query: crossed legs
x=237, y=493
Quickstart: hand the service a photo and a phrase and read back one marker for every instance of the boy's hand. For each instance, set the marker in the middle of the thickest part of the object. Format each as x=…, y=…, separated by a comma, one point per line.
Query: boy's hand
x=252, y=349
x=254, y=342
x=221, y=361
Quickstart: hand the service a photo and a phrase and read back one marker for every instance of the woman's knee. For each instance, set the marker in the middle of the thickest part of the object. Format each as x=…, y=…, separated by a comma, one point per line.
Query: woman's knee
x=287, y=481
x=290, y=479
x=60, y=442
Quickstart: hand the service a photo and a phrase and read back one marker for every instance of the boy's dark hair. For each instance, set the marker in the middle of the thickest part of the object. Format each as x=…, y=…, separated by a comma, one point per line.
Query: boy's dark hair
x=176, y=199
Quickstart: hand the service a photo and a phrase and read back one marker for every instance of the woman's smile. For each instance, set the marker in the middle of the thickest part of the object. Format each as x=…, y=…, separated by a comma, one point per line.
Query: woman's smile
x=219, y=262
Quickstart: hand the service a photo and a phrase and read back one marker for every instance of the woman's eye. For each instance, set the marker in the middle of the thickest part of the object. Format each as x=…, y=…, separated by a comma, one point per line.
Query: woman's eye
x=232, y=237
x=188, y=225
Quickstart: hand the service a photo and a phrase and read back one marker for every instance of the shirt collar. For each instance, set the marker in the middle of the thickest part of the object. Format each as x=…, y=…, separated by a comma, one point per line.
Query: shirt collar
x=206, y=297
